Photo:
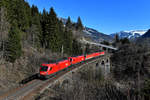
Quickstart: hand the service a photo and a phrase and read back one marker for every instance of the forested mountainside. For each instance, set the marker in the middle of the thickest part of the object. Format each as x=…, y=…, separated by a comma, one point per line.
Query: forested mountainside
x=22, y=25
x=29, y=37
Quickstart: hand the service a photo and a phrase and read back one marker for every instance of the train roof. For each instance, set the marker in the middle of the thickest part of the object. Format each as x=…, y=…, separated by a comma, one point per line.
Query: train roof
x=77, y=56
x=56, y=60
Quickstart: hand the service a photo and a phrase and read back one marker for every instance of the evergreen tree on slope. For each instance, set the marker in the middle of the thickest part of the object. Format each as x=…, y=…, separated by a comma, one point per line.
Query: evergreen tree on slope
x=53, y=30
x=79, y=25
x=13, y=46
x=68, y=23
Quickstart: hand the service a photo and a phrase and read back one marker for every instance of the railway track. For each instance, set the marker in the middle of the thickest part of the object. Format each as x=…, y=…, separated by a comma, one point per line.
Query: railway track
x=26, y=91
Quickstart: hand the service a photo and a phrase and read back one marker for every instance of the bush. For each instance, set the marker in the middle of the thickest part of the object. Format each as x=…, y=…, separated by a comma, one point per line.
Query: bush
x=146, y=89
x=130, y=60
x=85, y=85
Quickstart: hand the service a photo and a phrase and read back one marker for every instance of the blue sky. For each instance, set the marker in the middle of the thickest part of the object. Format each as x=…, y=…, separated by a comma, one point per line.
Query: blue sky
x=107, y=16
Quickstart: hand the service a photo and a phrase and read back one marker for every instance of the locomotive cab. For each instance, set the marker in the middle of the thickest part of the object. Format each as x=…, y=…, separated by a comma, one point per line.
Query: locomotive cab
x=44, y=71
x=43, y=68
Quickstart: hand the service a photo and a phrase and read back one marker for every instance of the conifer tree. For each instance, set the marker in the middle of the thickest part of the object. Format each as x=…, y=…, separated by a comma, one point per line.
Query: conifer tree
x=79, y=25
x=13, y=46
x=4, y=28
x=68, y=23
x=53, y=30
x=76, y=48
x=44, y=24
x=34, y=10
x=16, y=10
x=68, y=41
x=125, y=41
x=87, y=49
x=35, y=31
x=116, y=38
x=46, y=29
x=61, y=30
x=28, y=14
x=22, y=18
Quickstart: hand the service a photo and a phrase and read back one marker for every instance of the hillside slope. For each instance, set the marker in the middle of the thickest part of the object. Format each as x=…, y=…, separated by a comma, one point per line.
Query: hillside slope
x=147, y=34
x=96, y=36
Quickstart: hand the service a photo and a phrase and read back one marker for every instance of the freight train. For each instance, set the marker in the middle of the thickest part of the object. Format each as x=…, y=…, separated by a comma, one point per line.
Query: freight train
x=50, y=69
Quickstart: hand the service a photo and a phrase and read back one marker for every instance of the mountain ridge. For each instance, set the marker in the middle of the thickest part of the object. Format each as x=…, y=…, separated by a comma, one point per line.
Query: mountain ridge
x=129, y=34
x=92, y=33
x=96, y=35
x=146, y=35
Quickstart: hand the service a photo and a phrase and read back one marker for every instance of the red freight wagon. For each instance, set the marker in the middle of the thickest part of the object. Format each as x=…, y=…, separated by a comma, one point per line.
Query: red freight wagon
x=102, y=53
x=77, y=59
x=97, y=54
x=89, y=56
x=63, y=64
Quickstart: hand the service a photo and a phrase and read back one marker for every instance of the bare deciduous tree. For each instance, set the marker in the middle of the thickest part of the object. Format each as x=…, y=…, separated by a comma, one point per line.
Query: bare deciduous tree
x=4, y=28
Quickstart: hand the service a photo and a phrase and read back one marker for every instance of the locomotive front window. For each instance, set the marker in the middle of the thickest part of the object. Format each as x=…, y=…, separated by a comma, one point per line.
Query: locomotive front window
x=44, y=68
x=70, y=59
x=50, y=68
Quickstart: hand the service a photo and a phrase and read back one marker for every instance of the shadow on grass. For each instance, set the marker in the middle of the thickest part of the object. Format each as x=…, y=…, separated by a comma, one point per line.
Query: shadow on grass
x=30, y=78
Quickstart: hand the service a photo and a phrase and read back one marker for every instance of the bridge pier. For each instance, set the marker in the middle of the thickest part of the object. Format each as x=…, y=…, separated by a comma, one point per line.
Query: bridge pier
x=104, y=66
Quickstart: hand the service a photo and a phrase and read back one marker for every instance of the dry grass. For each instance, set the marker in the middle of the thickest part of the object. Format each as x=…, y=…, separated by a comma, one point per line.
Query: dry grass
x=84, y=85
x=12, y=74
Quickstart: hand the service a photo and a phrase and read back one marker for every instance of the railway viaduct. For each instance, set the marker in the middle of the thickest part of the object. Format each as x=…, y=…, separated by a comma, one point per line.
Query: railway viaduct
x=102, y=63
x=107, y=48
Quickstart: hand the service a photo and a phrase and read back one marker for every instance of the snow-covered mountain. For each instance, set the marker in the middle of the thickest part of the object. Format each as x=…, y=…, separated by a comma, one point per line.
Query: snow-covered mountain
x=96, y=36
x=144, y=39
x=147, y=34
x=129, y=34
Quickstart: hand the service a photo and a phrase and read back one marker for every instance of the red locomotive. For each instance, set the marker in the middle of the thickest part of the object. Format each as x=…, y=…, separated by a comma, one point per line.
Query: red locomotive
x=52, y=68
